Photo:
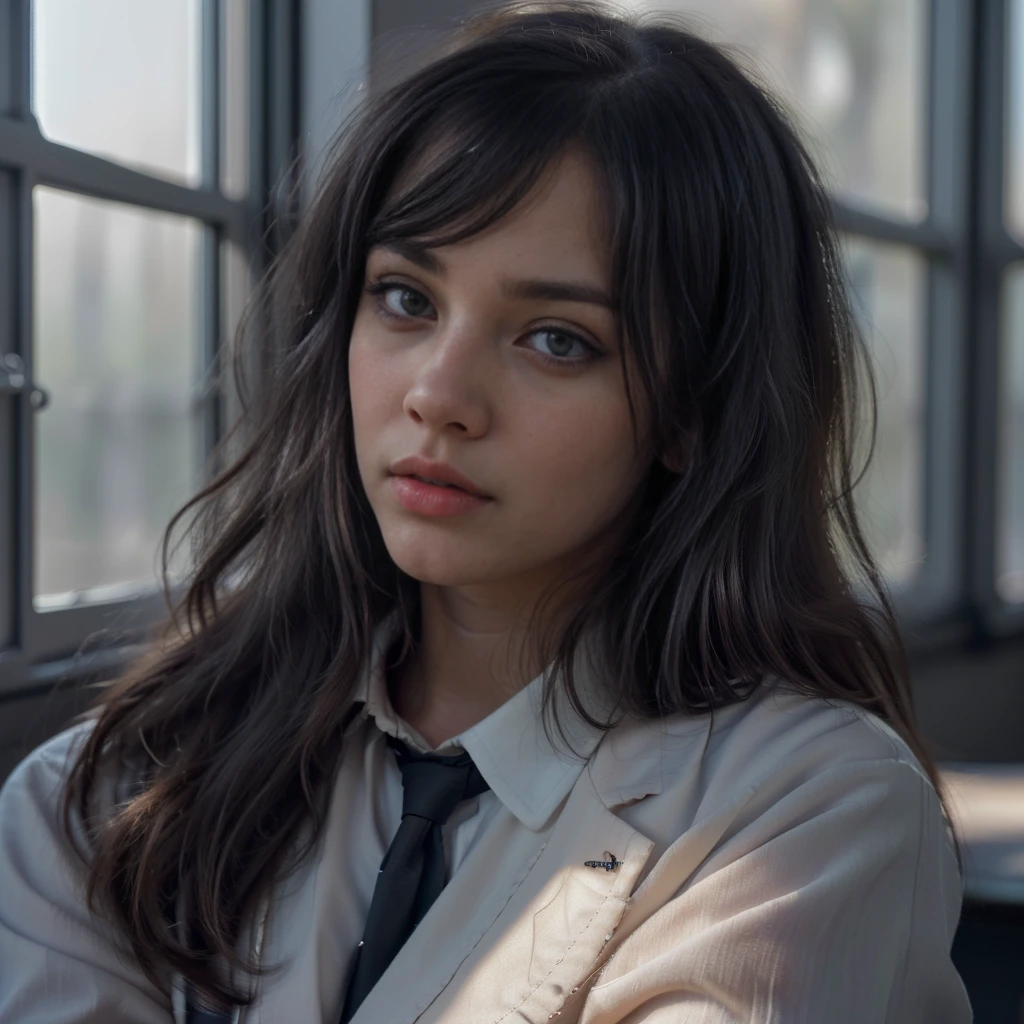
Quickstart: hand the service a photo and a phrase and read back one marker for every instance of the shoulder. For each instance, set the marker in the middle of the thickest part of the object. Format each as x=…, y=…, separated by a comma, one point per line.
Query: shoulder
x=791, y=837
x=31, y=796
x=755, y=753
x=61, y=959
x=805, y=787
x=38, y=863
x=37, y=777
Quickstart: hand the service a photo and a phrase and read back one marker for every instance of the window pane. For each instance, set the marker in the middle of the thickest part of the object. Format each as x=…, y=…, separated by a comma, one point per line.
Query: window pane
x=120, y=79
x=235, y=90
x=852, y=70
x=1015, y=119
x=117, y=449
x=1010, y=475
x=237, y=284
x=887, y=286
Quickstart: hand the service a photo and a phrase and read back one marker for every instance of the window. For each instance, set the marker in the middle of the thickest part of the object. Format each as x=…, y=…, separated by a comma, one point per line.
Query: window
x=142, y=148
x=914, y=109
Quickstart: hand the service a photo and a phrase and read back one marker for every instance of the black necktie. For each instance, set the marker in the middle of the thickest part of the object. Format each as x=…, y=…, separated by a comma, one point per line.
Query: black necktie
x=412, y=873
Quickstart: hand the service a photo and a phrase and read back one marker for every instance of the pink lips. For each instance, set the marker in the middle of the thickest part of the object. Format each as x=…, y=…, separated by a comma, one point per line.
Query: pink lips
x=432, y=500
x=418, y=465
x=419, y=485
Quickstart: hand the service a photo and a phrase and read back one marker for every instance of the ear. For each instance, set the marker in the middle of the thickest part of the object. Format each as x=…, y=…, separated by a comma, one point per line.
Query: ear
x=676, y=457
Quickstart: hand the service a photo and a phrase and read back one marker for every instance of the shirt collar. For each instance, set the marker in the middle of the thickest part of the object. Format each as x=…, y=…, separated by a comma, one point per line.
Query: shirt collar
x=528, y=772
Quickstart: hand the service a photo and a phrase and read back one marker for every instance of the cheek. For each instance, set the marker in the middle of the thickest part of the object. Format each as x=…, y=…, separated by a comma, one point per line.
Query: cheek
x=369, y=384
x=371, y=398
x=579, y=461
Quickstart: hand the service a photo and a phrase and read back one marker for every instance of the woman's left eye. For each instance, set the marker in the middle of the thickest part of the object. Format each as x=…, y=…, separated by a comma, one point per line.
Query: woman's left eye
x=560, y=345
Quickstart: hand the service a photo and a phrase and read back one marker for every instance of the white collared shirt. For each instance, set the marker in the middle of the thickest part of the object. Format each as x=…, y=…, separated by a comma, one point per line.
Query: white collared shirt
x=529, y=780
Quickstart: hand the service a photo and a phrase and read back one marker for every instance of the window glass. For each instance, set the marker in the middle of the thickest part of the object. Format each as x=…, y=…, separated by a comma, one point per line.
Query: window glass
x=116, y=346
x=1015, y=119
x=1010, y=474
x=236, y=279
x=235, y=93
x=853, y=73
x=887, y=289
x=121, y=79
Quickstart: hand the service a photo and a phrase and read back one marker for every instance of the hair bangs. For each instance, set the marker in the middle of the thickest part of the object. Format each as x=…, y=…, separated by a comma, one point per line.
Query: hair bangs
x=464, y=175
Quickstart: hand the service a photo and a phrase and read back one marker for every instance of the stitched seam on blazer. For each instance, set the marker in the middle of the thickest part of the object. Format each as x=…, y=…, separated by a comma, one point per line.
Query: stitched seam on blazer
x=582, y=931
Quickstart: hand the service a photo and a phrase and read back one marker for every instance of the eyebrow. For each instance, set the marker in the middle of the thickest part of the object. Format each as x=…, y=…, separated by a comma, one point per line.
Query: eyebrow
x=533, y=288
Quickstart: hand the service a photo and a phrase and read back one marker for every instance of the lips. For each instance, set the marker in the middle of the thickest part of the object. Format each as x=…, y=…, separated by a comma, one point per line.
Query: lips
x=435, y=472
x=436, y=483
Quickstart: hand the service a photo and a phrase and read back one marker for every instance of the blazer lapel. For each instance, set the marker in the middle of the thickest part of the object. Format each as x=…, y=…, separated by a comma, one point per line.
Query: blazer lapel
x=522, y=928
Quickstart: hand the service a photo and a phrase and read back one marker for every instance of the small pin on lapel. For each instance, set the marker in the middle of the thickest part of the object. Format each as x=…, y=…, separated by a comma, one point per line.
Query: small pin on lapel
x=609, y=863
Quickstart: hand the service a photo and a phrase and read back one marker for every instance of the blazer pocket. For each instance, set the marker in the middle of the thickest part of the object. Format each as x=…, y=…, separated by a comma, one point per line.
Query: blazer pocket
x=563, y=922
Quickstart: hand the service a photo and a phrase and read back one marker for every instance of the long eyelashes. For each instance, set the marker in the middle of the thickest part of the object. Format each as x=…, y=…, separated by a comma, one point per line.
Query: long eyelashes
x=379, y=289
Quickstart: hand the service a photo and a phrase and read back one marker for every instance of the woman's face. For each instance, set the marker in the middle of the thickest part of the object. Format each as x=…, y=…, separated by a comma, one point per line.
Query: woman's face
x=474, y=357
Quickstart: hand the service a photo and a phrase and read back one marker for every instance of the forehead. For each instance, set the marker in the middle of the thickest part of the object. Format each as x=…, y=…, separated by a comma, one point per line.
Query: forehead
x=560, y=228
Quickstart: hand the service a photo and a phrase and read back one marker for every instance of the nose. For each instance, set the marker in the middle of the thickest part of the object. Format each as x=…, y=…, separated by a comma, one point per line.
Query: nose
x=448, y=392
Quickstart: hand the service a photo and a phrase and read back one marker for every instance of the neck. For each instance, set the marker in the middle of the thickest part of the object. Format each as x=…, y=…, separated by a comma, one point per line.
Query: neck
x=471, y=657
x=475, y=649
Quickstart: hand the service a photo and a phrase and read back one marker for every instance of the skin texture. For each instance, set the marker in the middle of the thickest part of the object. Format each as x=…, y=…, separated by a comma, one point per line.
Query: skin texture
x=460, y=378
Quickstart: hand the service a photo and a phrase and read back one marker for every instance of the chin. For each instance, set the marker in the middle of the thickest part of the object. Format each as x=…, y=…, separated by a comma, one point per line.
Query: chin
x=430, y=561
x=437, y=576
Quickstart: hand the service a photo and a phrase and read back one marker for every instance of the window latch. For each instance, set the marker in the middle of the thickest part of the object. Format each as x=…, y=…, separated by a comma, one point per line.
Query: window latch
x=13, y=381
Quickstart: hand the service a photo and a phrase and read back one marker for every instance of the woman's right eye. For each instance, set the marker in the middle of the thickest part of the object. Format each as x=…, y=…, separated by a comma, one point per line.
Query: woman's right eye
x=401, y=307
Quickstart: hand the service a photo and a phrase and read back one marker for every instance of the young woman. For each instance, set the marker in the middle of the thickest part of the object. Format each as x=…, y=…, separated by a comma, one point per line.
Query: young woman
x=533, y=665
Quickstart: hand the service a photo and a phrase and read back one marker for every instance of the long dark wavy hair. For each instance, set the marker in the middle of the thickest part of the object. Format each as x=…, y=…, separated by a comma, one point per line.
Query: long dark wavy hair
x=746, y=560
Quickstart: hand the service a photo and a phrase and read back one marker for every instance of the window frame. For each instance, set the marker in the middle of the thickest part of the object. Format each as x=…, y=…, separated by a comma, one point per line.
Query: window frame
x=953, y=601
x=926, y=600
x=40, y=646
x=995, y=249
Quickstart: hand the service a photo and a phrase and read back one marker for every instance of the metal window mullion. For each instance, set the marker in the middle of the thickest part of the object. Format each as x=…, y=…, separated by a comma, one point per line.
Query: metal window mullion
x=14, y=102
x=282, y=113
x=8, y=411
x=947, y=148
x=987, y=264
x=924, y=235
x=210, y=95
x=257, y=88
x=212, y=103
x=23, y=145
x=273, y=125
x=999, y=249
x=10, y=14
x=24, y=438
x=273, y=141
x=14, y=65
